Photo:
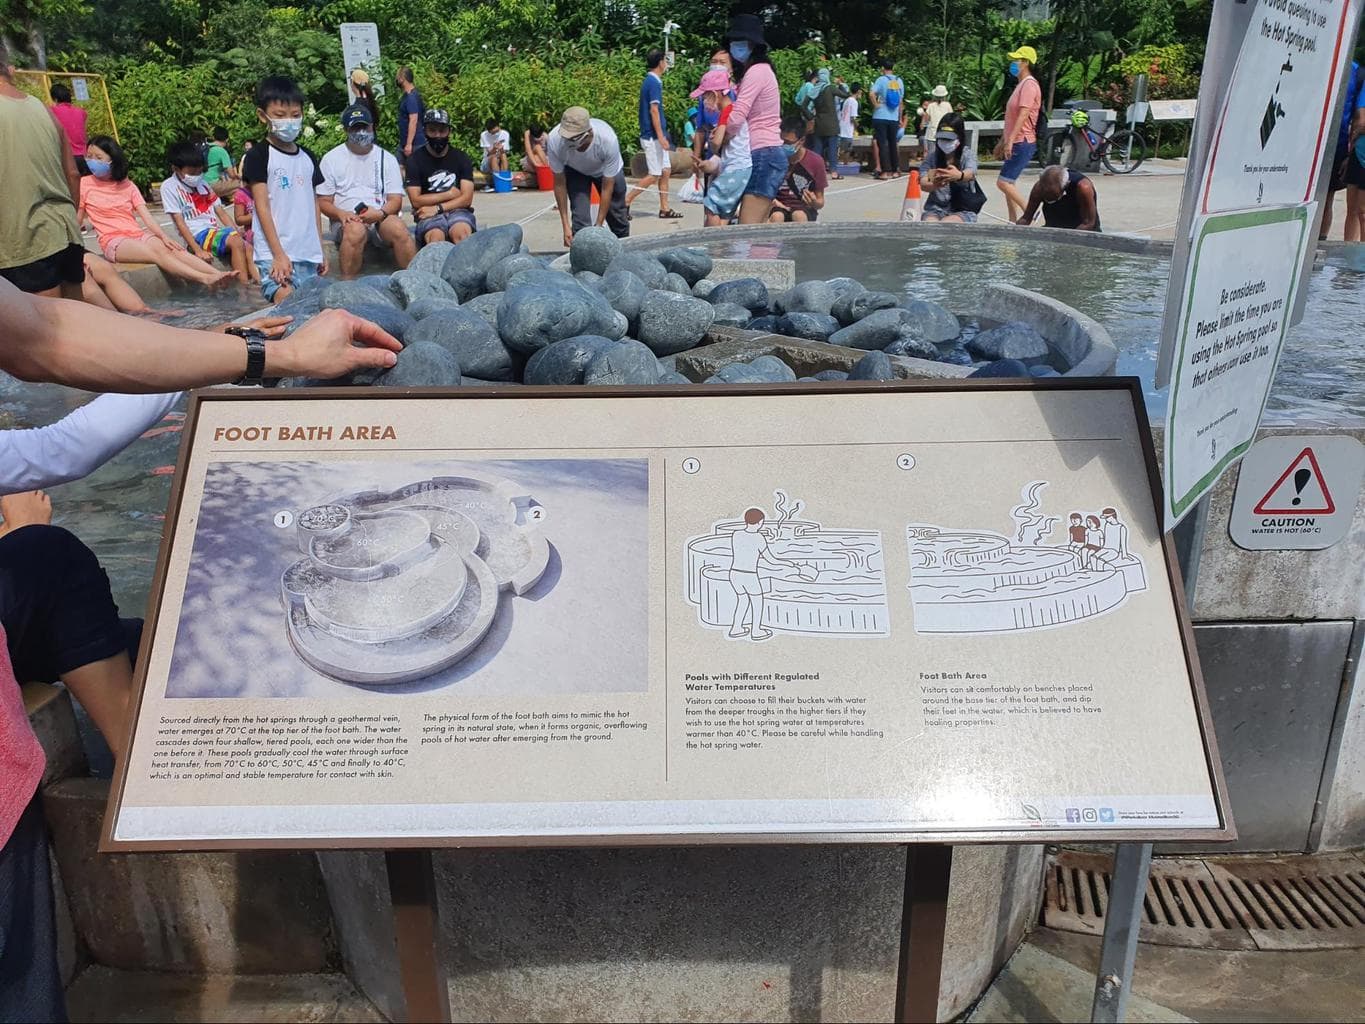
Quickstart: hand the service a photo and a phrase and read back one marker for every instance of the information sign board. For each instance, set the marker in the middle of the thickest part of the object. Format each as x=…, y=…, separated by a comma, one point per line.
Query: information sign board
x=360, y=49
x=1173, y=110
x=901, y=613
x=80, y=88
x=1242, y=276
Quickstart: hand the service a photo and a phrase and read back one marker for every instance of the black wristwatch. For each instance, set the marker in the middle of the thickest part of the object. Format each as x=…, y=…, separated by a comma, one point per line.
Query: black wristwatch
x=255, y=354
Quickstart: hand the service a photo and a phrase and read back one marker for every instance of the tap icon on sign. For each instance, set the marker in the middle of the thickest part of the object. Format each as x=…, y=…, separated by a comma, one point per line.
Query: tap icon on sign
x=1273, y=110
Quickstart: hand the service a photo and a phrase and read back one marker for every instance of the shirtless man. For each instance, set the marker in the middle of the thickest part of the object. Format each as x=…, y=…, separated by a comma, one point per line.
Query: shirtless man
x=750, y=549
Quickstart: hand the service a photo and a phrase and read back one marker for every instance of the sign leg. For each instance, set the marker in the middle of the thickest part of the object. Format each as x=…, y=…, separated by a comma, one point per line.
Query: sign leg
x=416, y=925
x=928, y=868
x=1123, y=919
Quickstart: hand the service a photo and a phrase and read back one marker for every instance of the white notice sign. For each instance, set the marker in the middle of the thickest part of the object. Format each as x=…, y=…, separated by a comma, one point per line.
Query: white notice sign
x=1238, y=295
x=1274, y=126
x=81, y=89
x=360, y=49
x=1297, y=493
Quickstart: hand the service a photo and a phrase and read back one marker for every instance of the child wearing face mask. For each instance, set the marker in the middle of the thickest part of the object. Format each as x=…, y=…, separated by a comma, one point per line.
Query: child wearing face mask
x=126, y=229
x=282, y=177
x=199, y=215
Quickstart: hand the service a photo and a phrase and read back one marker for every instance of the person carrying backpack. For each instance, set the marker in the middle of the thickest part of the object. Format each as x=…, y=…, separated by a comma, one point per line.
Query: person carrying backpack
x=888, y=116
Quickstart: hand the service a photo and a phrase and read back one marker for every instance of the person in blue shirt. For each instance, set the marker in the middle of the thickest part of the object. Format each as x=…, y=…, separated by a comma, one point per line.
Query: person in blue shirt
x=1344, y=160
x=411, y=111
x=888, y=118
x=654, y=135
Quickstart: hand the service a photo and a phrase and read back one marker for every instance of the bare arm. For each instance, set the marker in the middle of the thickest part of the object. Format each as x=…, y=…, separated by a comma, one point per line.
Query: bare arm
x=242, y=215
x=144, y=215
x=658, y=126
x=261, y=196
x=412, y=133
x=184, y=231
x=73, y=176
x=562, y=202
x=328, y=207
x=80, y=345
x=606, y=188
x=1090, y=213
x=461, y=195
x=1031, y=210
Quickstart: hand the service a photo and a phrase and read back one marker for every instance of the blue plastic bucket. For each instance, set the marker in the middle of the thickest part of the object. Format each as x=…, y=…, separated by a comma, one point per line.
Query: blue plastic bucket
x=502, y=181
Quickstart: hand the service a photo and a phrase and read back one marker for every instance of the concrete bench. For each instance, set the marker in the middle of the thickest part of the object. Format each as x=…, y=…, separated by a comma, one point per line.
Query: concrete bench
x=991, y=129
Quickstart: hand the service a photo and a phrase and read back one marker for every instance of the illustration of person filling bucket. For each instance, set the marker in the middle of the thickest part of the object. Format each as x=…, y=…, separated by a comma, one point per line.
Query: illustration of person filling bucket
x=979, y=581
x=756, y=577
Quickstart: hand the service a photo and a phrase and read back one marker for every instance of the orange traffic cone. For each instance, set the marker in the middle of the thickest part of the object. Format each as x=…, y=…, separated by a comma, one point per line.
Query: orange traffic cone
x=913, y=204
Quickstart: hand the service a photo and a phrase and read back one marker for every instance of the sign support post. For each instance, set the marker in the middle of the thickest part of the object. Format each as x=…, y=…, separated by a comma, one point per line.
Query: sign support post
x=1133, y=861
x=417, y=930
x=928, y=870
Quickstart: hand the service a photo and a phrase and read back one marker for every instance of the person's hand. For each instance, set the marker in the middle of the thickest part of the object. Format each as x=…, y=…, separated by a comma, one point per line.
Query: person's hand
x=332, y=344
x=271, y=326
x=407, y=150
x=808, y=197
x=282, y=270
x=347, y=217
x=205, y=255
x=568, y=236
x=999, y=151
x=372, y=216
x=664, y=145
x=324, y=266
x=171, y=246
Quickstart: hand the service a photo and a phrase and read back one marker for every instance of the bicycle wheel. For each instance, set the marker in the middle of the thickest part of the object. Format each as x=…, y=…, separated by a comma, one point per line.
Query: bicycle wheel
x=1125, y=152
x=1066, y=152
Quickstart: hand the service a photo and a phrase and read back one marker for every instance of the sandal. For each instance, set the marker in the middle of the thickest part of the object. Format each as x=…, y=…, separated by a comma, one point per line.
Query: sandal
x=670, y=215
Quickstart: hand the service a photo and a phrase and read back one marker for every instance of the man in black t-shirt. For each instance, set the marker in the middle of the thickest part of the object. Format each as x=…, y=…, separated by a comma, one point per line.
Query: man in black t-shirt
x=440, y=184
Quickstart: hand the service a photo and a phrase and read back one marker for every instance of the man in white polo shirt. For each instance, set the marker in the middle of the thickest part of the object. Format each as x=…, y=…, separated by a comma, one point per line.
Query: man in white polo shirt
x=362, y=195
x=583, y=151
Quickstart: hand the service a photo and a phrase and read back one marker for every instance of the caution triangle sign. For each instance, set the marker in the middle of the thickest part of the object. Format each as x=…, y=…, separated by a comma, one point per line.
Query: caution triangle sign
x=1300, y=490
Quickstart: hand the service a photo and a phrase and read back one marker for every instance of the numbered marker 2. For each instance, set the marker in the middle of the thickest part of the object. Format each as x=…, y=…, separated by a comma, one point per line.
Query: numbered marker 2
x=536, y=513
x=905, y=460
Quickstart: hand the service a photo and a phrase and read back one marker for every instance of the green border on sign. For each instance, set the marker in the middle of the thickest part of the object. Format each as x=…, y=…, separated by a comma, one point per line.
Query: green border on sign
x=1214, y=224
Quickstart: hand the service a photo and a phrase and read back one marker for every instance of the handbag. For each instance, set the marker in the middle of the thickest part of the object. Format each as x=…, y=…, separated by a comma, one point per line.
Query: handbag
x=966, y=195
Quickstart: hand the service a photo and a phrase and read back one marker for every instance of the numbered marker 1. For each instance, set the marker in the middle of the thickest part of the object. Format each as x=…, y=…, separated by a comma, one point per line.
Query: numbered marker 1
x=691, y=466
x=284, y=519
x=905, y=460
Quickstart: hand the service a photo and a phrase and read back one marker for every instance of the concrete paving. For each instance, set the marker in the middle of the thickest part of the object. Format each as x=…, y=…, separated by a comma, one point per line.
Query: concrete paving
x=1052, y=978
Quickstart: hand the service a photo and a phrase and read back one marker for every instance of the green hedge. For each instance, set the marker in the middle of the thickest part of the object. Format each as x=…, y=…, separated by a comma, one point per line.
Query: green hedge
x=158, y=104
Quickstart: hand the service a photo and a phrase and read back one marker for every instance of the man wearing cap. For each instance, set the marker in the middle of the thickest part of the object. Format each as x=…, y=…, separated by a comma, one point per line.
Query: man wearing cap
x=583, y=151
x=938, y=106
x=440, y=182
x=362, y=195
x=1020, y=141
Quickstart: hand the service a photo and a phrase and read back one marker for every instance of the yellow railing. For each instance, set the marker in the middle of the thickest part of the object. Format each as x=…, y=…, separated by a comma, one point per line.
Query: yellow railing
x=99, y=111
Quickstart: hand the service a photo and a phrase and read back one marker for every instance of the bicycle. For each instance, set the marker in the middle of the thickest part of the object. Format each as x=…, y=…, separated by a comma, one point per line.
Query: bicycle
x=1121, y=150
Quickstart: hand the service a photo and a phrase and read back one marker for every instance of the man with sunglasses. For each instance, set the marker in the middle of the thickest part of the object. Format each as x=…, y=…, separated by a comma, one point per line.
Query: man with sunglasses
x=582, y=152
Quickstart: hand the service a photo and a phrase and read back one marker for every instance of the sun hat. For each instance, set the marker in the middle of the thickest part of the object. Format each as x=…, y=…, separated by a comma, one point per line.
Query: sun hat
x=1027, y=53
x=575, y=123
x=360, y=77
x=940, y=92
x=746, y=26
x=715, y=80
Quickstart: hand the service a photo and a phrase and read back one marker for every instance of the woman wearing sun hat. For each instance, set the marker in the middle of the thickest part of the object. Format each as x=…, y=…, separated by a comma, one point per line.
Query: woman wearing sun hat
x=1020, y=140
x=938, y=107
x=759, y=108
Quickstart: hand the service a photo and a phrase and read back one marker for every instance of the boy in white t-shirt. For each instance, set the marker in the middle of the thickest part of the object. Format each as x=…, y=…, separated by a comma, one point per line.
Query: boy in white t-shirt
x=362, y=195
x=199, y=216
x=494, y=142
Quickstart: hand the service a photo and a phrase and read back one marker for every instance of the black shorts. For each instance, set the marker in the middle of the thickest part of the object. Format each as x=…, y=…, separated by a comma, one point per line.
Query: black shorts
x=1355, y=172
x=66, y=266
x=812, y=214
x=1337, y=180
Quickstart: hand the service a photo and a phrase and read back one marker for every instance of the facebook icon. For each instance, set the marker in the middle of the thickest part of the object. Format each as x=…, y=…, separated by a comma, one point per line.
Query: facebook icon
x=1073, y=814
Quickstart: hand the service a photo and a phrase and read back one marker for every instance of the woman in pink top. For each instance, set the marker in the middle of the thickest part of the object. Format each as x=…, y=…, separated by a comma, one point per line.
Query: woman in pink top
x=72, y=120
x=1020, y=141
x=127, y=231
x=758, y=105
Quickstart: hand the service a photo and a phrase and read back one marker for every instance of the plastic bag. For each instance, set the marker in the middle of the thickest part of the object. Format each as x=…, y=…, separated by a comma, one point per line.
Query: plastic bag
x=691, y=191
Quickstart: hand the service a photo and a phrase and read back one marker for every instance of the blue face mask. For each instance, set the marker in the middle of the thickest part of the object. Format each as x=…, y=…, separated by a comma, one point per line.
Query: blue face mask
x=740, y=50
x=1014, y=69
x=790, y=149
x=99, y=168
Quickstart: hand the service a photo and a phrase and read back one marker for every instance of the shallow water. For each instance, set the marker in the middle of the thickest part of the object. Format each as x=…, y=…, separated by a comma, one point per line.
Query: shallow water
x=1321, y=374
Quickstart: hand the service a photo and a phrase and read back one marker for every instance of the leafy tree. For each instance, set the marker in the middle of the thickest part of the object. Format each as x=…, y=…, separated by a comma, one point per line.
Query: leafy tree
x=23, y=25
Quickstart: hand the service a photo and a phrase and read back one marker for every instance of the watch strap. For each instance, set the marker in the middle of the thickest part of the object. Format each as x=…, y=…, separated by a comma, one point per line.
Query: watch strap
x=255, y=354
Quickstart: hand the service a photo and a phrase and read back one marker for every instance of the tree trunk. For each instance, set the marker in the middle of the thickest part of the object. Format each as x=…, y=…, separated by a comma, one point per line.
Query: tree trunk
x=1054, y=55
x=37, y=45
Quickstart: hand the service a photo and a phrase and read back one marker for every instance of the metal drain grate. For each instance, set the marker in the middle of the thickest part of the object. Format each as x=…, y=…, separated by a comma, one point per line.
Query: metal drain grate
x=1232, y=903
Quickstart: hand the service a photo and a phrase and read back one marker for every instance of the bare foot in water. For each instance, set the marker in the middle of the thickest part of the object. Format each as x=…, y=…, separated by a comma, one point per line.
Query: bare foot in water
x=27, y=508
x=159, y=314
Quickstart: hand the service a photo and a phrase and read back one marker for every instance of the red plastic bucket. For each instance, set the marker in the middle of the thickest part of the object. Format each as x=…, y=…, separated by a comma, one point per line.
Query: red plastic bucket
x=545, y=179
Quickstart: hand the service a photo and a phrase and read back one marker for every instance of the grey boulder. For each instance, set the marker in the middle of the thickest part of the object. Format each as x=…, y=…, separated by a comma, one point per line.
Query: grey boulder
x=730, y=315
x=431, y=258
x=909, y=343
x=773, y=369
x=676, y=283
x=389, y=319
x=874, y=331
x=1013, y=340
x=347, y=294
x=500, y=273
x=854, y=306
x=673, y=323
x=672, y=377
x=645, y=267
x=593, y=249
x=423, y=364
x=704, y=288
x=486, y=306
x=423, y=308
x=935, y=323
x=845, y=286
x=766, y=323
x=749, y=292
x=832, y=375
x=624, y=292
x=810, y=326
x=565, y=361
x=873, y=366
x=468, y=265
x=957, y=356
x=810, y=297
x=531, y=316
x=1001, y=368
x=409, y=286
x=626, y=362
x=471, y=340
x=690, y=264
x=543, y=277
x=587, y=278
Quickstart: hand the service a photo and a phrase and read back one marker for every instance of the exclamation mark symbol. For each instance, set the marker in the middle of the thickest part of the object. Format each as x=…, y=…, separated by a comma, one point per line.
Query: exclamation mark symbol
x=1301, y=479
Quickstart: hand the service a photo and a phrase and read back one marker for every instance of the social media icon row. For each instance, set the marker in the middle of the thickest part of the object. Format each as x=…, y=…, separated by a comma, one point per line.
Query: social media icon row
x=1090, y=815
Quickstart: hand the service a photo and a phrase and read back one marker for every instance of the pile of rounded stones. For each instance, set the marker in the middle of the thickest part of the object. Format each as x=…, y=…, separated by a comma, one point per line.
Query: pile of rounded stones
x=487, y=312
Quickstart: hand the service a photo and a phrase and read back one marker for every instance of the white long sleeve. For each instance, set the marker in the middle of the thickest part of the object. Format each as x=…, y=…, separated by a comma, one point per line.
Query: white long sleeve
x=79, y=443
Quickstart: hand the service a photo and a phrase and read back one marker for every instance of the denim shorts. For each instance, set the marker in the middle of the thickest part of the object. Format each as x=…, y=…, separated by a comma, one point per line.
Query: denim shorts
x=302, y=272
x=1018, y=159
x=770, y=167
